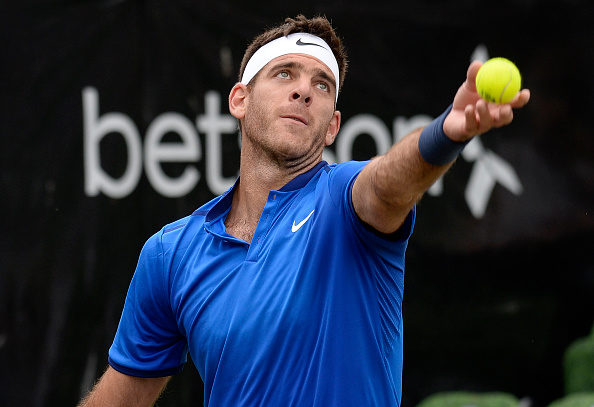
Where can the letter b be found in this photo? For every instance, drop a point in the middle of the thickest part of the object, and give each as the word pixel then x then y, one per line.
pixel 95 128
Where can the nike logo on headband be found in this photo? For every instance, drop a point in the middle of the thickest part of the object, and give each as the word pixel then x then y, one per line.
pixel 299 42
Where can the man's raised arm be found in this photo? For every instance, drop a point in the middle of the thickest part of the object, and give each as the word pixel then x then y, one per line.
pixel 390 185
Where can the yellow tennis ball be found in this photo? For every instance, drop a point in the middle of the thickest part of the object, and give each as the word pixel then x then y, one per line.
pixel 498 80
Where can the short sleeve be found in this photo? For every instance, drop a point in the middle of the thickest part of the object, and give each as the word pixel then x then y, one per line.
pixel 148 342
pixel 342 179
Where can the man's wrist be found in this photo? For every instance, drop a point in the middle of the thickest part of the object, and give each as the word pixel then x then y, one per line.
pixel 435 146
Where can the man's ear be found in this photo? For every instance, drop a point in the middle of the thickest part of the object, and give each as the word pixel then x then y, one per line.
pixel 237 100
pixel 333 128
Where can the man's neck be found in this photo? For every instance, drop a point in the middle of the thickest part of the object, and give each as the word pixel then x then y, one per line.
pixel 251 193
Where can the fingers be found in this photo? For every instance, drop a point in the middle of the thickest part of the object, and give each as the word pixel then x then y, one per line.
pixel 478 117
pixel 482 117
pixel 472 71
pixel 521 99
pixel 472 123
pixel 470 83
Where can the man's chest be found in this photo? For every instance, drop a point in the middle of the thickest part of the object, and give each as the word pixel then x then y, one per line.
pixel 230 302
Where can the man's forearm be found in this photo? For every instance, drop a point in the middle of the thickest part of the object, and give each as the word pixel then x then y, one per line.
pixel 403 175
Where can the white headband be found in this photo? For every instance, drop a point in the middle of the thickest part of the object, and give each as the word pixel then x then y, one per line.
pixel 296 43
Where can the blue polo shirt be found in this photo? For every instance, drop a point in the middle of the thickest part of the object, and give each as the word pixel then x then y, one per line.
pixel 308 314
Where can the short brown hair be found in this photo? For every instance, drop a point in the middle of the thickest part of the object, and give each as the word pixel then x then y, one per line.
pixel 318 26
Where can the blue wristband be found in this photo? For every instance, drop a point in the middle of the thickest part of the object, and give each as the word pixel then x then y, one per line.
pixel 435 147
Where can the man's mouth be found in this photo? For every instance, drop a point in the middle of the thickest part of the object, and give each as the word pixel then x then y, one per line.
pixel 296 118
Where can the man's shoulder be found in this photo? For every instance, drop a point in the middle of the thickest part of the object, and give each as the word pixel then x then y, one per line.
pixel 339 178
pixel 347 168
pixel 187 226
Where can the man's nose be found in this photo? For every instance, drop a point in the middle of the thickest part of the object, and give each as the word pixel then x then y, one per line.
pixel 302 91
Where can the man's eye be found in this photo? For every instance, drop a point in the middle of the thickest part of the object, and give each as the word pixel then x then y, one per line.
pixel 283 74
pixel 323 86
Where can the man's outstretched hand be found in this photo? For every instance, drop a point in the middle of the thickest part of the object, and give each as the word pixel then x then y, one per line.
pixel 471 115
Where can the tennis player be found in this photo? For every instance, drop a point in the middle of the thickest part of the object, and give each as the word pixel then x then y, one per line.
pixel 287 289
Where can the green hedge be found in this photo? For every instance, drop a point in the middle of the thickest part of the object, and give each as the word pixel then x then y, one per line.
pixel 575 400
pixel 578 366
pixel 469 399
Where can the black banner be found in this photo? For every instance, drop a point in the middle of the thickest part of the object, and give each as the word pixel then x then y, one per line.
pixel 114 121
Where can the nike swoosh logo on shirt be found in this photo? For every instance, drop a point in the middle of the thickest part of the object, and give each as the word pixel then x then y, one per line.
pixel 296 227
pixel 299 42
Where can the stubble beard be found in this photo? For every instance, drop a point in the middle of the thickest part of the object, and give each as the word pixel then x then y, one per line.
pixel 267 141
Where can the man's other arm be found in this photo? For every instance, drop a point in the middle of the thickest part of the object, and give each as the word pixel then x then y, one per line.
pixel 115 389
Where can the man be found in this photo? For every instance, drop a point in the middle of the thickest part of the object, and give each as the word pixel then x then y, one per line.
pixel 287 289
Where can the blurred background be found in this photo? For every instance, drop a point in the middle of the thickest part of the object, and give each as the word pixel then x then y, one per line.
pixel 114 122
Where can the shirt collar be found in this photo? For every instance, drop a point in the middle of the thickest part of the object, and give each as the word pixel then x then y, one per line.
pixel 296 183
pixel 301 180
